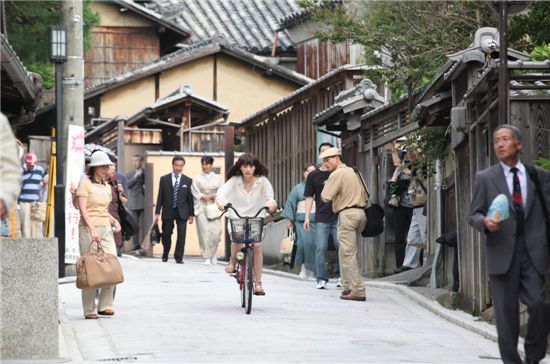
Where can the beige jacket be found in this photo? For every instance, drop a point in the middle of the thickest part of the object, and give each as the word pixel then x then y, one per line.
pixel 10 168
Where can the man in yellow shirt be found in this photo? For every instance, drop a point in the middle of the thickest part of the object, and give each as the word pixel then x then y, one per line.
pixel 349 200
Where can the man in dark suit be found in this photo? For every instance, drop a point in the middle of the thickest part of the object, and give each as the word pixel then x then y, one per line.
pixel 517 255
pixel 176 201
pixel 136 194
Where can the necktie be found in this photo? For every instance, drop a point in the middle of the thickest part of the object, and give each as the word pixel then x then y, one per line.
pixel 175 200
pixel 517 200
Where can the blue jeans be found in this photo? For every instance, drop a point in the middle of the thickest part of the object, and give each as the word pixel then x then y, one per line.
pixel 322 231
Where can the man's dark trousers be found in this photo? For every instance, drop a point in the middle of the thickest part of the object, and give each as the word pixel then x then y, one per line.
pixel 167 229
pixel 522 280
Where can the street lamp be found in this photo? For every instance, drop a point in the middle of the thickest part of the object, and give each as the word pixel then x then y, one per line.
pixel 58 55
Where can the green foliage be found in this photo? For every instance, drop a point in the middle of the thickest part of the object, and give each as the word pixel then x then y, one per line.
pixel 544 163
pixel 28 25
pixel 433 143
pixel 532 28
pixel 541 53
pixel 410 39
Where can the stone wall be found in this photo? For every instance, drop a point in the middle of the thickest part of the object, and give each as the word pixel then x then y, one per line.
pixel 28 299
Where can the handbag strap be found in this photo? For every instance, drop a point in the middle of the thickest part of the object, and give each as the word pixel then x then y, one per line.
pixel 99 246
pixel 362 183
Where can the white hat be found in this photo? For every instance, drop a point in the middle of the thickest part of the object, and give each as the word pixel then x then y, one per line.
pixel 330 152
pixel 100 158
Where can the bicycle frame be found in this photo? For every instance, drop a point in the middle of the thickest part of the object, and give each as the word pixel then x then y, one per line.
pixel 245 257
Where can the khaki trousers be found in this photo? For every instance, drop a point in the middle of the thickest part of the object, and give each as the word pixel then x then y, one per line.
pixel 108 243
pixel 350 224
pixel 29 228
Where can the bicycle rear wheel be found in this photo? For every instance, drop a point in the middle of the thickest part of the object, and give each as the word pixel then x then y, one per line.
pixel 249 281
pixel 240 279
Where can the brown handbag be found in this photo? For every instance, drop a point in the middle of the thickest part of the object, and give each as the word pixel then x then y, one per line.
pixel 98 269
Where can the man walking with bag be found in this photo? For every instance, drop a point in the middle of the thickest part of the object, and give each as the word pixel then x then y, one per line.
pixel 176 202
pixel 349 200
pixel 517 255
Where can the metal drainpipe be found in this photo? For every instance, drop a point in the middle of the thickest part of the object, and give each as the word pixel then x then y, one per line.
pixel 438 224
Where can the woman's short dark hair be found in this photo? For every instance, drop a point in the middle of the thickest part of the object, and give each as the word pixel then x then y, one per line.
pixel 248 159
pixel 178 158
pixel 306 167
pixel 207 160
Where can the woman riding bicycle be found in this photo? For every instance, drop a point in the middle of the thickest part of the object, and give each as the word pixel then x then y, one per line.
pixel 248 190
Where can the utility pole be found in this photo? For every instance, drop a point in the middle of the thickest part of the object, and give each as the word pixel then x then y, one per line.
pixel 503 77
pixel 73 73
pixel 72 111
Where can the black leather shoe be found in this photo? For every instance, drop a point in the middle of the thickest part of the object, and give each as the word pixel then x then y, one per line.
pixel 530 361
pixel 164 259
pixel 401 269
pixel 179 261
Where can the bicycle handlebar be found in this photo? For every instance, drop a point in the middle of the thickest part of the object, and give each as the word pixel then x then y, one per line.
pixel 229 206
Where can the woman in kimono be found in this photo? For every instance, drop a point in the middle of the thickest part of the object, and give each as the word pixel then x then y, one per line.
pixel 204 188
pixel 294 211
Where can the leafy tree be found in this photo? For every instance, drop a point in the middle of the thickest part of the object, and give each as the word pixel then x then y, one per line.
pixel 541 52
pixel 410 39
pixel 28 30
pixel 532 28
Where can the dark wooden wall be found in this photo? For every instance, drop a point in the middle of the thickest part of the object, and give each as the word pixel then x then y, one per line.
pixel 286 142
pixel 117 50
pixel 317 58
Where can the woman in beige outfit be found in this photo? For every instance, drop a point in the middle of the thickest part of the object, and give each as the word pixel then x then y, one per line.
pixel 97 225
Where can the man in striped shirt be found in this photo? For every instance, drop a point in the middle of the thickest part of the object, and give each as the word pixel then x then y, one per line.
pixel 33 178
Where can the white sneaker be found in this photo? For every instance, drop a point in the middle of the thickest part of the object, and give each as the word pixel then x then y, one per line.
pixel 303 273
pixel 321 284
pixel 214 260
pixel 339 282
pixel 310 275
pixel 207 261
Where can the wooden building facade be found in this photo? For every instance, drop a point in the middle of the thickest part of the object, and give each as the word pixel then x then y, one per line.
pixel 283 136
pixel 128 37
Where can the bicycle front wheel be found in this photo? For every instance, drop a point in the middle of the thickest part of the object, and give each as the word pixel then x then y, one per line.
pixel 248 286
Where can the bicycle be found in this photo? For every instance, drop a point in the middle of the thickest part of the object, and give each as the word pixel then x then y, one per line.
pixel 246 230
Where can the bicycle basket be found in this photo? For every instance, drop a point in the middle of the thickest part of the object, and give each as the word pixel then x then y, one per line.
pixel 238 230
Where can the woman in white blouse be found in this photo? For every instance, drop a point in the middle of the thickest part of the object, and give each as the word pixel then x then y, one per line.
pixel 248 190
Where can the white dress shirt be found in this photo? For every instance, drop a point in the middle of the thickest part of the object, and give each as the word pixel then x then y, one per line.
pixel 522 175
pixel 174 179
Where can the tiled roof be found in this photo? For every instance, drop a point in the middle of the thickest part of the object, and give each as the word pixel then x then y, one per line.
pixel 196 51
pixel 247 24
pixel 294 18
pixel 155 17
pixel 302 15
pixel 28 87
pixel 301 90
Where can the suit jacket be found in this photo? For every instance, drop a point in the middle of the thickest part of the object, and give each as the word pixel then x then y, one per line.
pixel 501 244
pixel 136 193
pixel 166 196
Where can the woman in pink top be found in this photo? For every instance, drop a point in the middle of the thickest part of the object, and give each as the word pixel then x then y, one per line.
pixel 248 190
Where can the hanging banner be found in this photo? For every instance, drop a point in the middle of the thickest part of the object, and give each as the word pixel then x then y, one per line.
pixel 73 173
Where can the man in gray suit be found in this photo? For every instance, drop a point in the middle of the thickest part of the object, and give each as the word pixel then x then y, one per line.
pixel 136 194
pixel 517 255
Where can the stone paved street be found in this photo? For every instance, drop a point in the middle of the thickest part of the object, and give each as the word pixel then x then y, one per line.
pixel 167 312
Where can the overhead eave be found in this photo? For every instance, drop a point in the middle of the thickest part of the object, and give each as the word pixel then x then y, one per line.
pixel 153 16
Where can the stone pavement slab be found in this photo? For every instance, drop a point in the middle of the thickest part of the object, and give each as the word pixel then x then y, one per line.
pixel 167 312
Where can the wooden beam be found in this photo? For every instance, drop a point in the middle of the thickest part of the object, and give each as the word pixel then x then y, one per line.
pixel 395 134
